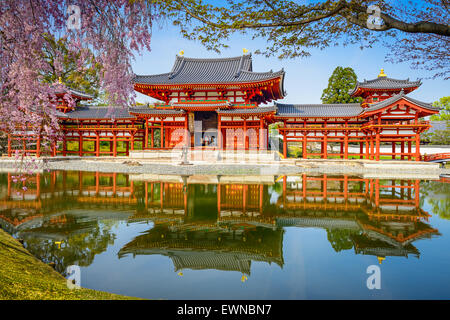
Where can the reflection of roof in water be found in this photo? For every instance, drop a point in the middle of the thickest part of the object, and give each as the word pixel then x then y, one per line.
pixel 367 245
pixel 224 249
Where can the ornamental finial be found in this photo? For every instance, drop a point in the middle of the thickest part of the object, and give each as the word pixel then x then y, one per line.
pixel 181 53
pixel 381 259
pixel 244 50
pixel 382 74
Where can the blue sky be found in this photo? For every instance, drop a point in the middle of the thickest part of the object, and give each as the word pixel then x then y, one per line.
pixel 305 77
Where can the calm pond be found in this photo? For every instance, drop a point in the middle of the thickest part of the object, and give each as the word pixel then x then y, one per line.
pixel 229 237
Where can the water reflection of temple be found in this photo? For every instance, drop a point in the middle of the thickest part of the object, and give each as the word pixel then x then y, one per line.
pixel 222 224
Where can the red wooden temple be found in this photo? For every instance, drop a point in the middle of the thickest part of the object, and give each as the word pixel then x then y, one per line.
pixel 217 104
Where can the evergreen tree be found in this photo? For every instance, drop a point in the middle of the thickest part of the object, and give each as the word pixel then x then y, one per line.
pixel 444 114
pixel 341 82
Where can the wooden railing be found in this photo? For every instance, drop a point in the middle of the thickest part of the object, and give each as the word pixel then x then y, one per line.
pixel 436 156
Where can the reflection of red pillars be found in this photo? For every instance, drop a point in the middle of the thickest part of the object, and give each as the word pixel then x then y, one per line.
pixel 324 184
pixel 114 183
pixel 161 192
pixel 38 185
pixel 219 198
pixel 377 193
pixel 416 193
pixel 146 194
pixel 185 198
pixel 261 191
pixel 97 182
pixel 304 186
pixel 9 185
pixel 244 198
pixel 345 188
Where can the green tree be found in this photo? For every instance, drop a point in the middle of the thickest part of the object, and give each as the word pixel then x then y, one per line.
pixel 340 83
pixel 64 64
pixel 444 104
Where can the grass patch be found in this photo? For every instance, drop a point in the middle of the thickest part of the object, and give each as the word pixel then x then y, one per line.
pixel 24 277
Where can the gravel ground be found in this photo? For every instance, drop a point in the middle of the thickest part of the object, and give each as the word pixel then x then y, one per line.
pixel 126 165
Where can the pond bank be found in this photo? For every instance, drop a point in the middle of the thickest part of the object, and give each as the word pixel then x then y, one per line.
pixel 388 169
pixel 24 277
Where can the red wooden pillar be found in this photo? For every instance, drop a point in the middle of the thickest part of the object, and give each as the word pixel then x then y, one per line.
pixel 261 135
pixel 38 146
pixel 163 140
pixel 409 149
pixel 361 150
pixel 64 145
pixel 152 137
pixel 114 144
pixel 377 156
pixel 132 140
pixel 341 150
pixel 97 144
pixel 346 146
pixel 285 143
pixel 219 135
pixel 402 150
pixel 144 147
pixel 80 144
pixel 9 148
pixel 417 147
pixel 127 147
pixel 245 135
pixel 325 145
pixel 393 150
pixel 305 152
pixel 367 148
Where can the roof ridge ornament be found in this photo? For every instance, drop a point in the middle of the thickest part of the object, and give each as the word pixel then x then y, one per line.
pixel 382 74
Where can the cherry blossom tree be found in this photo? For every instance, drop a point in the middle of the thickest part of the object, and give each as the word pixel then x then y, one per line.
pixel 114 30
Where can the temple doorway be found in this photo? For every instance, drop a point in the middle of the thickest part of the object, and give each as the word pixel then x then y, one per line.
pixel 205 129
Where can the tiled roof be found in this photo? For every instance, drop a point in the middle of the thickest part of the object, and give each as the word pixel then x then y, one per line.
pixel 257 110
pixel 319 110
pixel 202 104
pixel 153 111
pixel 386 83
pixel 76 93
pixel 204 71
pixel 94 112
pixel 397 97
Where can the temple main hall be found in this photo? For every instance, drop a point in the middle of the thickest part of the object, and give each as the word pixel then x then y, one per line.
pixel 222 104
